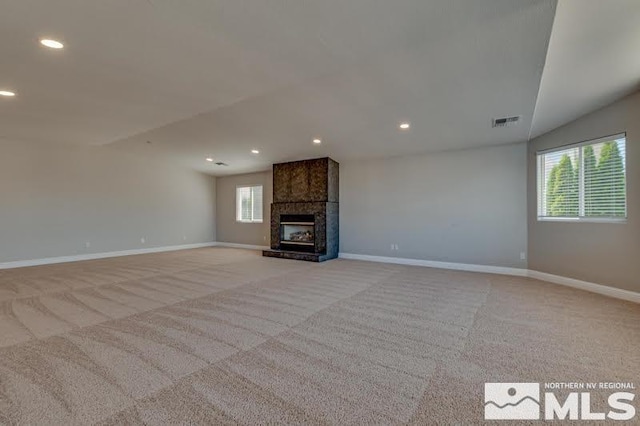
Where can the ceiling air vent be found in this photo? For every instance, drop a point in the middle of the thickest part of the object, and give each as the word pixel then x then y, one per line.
pixel 505 122
pixel 220 163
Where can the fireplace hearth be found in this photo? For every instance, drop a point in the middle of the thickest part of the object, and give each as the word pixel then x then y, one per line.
pixel 304 212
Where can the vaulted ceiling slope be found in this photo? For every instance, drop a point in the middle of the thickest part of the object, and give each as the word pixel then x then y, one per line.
pixel 218 78
pixel 593 60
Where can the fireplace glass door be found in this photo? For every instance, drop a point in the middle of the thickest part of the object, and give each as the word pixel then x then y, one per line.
pixel 298 233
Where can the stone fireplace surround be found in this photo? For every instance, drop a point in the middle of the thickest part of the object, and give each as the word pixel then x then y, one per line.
pixel 308 187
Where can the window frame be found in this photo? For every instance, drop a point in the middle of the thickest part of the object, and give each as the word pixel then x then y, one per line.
pixel 239 212
pixel 579 218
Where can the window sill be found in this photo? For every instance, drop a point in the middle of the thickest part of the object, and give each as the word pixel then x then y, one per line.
pixel 582 220
pixel 249 221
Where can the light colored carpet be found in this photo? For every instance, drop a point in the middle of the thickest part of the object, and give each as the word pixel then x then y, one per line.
pixel 225 336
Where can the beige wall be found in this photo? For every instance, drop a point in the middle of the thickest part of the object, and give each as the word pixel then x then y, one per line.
pixel 602 253
pixel 230 231
pixel 55 200
pixel 464 206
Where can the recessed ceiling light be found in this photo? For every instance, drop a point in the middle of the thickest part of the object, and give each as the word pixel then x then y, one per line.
pixel 209 159
pixel 7 93
pixel 255 151
pixel 317 141
pixel 404 125
pixel 54 44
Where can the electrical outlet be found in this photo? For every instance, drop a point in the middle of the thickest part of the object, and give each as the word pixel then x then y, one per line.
pixel 184 238
pixel 397 248
pixel 143 240
pixel 523 255
pixel 87 244
pixel 392 246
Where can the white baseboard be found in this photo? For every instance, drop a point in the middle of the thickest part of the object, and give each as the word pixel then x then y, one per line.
pixel 93 256
pixel 440 265
pixel 604 290
pixel 241 246
pixel 614 292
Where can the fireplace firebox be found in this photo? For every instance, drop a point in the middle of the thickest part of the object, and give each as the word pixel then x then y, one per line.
pixel 297 232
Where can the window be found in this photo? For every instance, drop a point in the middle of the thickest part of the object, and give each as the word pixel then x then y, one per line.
pixel 586 181
pixel 249 204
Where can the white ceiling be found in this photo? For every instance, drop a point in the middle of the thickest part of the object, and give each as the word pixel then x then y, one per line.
pixel 218 78
pixel 593 60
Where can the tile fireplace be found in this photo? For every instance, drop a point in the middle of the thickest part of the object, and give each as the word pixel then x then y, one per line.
pixel 304 212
